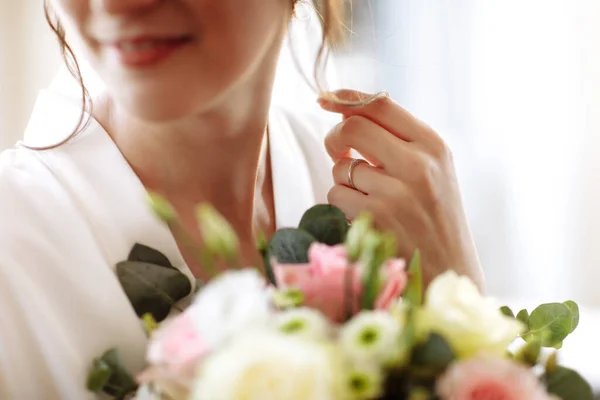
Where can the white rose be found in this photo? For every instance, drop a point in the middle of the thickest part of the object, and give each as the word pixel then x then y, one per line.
pixel 233 301
pixel 265 364
pixel 471 323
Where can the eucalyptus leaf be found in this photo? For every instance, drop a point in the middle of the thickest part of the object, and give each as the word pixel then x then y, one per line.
pixel 551 322
pixel 326 223
pixel 507 311
pixel 98 376
pixel 574 308
pixel 152 288
pixel 146 254
pixel 413 294
pixel 530 352
pixel 121 382
pixel 435 353
pixel 262 245
pixel 568 385
pixel 290 246
pixel 523 316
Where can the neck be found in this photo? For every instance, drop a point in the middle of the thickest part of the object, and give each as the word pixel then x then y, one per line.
pixel 217 156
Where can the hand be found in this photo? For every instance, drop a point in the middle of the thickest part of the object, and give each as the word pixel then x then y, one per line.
pixel 409 184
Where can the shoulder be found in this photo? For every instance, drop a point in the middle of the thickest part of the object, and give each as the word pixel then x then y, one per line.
pixel 33 204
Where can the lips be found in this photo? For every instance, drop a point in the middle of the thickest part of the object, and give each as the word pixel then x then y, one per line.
pixel 144 44
pixel 147 51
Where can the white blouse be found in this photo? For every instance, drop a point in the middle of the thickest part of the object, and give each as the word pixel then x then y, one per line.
pixel 69 215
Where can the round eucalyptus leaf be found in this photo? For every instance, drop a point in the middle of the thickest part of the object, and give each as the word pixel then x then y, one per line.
pixel 290 246
pixel 568 385
pixel 326 223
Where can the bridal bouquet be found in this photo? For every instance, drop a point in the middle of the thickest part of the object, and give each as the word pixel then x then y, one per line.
pixel 331 315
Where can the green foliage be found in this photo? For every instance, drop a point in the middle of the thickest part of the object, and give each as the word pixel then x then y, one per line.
pixel 326 223
pixel 110 376
pixel 434 354
pixel 507 311
pixel 361 226
pixel 413 294
pixel 567 384
pixel 151 283
pixel 290 246
pixel 550 323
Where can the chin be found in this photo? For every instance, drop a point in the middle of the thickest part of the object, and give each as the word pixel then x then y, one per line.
pixel 164 106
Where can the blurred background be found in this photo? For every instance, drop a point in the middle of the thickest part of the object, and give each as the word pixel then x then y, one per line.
pixel 512 85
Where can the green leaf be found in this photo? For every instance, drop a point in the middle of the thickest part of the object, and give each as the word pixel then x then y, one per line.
pixel 413 293
pixel 146 254
pixel 361 226
pixel 568 385
pixel 408 337
pixel 152 288
pixel 326 223
pixel 523 316
pixel 290 246
pixel 161 207
pixel 574 308
pixel 551 323
pixel 219 237
pixel 507 311
pixel 262 245
pixel 434 354
pixel 121 382
pixel 150 324
pixel 98 376
pixel 372 258
pixel 530 352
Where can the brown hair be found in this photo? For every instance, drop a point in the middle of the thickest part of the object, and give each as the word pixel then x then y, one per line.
pixel 330 13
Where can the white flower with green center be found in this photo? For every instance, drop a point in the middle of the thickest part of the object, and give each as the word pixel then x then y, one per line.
pixel 371 336
pixel 303 322
pixel 364 382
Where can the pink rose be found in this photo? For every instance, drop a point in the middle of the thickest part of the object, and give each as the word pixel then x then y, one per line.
pixel 174 353
pixel 487 377
pixel 323 280
pixel 395 278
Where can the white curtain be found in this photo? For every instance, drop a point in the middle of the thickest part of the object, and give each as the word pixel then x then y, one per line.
pixel 513 86
pixel 29 59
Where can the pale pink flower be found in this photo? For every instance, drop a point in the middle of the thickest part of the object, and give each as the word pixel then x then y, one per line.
pixel 490 378
pixel 174 353
pixel 323 280
pixel 396 279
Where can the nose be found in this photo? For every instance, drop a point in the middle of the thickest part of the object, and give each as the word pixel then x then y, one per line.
pixel 123 6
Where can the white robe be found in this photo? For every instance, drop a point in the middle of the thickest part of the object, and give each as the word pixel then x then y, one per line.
pixel 69 215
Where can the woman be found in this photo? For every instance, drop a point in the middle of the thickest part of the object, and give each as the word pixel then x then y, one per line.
pixel 186 113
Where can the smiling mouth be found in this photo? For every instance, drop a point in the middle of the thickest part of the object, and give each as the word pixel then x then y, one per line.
pixel 144 44
pixel 147 51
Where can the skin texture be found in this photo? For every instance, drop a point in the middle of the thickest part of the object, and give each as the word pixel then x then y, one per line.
pixel 205 108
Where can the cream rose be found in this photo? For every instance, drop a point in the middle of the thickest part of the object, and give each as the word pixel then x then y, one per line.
pixel 471 323
pixel 265 364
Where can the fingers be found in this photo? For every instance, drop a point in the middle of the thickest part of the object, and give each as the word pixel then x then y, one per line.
pixel 367 179
pixel 353 203
pixel 383 111
pixel 375 143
